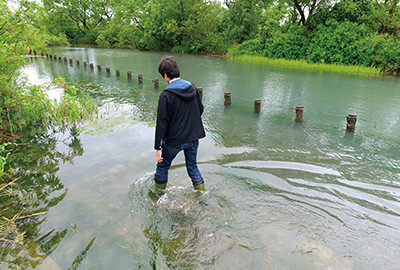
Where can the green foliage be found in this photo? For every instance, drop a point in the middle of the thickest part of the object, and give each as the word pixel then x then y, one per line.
pixel 59 40
pixel 23 106
pixel 4 153
pixel 357 32
pixel 117 35
pixel 249 47
pixel 87 17
pixel 385 16
pixel 301 12
pixel 353 39
pixel 381 51
pixel 291 45
pixel 59 24
pixel 356 11
pixel 241 20
pixel 31 107
pixel 317 31
pixel 337 43
pixel 181 26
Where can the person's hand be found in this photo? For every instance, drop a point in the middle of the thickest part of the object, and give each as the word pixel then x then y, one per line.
pixel 158 156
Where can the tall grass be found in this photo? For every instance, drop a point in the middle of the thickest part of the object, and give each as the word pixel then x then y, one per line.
pixel 303 65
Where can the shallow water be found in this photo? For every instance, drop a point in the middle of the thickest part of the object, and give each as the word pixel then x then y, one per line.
pixel 280 195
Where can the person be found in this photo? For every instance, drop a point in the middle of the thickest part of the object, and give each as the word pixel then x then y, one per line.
pixel 179 125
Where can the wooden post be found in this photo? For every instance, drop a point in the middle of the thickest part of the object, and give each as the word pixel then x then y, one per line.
pixel 30 50
pixel 92 66
pixel 200 89
pixel 257 105
pixel 70 61
pixel 55 57
pixel 299 114
pixel 42 54
pixel 351 122
pixel 34 52
pixel 65 59
pixel 129 73
pixel 85 64
pixel 59 58
pixel 140 78
pixel 108 70
pixel 117 73
pixel 155 83
pixel 51 56
pixel 99 68
pixel 227 99
pixel 77 62
pixel 47 55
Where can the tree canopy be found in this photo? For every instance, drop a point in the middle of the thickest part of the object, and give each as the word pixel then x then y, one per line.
pixel 357 32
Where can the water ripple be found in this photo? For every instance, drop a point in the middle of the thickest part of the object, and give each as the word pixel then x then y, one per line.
pixel 284 165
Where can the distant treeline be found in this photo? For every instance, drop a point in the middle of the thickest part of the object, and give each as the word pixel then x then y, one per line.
pixel 349 32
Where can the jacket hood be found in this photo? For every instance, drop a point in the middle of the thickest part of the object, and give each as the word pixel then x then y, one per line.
pixel 183 89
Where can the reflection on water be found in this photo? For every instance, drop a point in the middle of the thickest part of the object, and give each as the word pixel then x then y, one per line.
pixel 280 195
pixel 40 189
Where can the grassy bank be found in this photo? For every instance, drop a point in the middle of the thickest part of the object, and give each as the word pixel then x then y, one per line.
pixel 303 65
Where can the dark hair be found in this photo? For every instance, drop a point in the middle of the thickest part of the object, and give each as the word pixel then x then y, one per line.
pixel 169 66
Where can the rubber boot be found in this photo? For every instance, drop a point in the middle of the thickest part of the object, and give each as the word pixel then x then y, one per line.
pixel 158 188
pixel 200 187
pixel 156 191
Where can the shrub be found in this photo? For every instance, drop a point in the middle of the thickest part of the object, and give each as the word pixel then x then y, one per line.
pixel 60 40
pixel 380 51
pixel 249 47
pixel 291 45
pixel 337 43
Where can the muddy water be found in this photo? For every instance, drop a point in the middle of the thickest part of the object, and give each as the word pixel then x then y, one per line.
pixel 280 195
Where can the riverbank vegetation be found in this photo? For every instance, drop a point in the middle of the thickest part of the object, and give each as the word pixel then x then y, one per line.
pixel 303 65
pixel 26 116
pixel 346 32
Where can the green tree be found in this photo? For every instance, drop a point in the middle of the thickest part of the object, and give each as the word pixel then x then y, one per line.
pixel 337 43
pixel 182 25
pixel 241 19
pixel 87 15
pixel 303 10
pixel 292 44
pixel 386 16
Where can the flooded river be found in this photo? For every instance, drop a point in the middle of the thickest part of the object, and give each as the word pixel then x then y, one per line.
pixel 280 195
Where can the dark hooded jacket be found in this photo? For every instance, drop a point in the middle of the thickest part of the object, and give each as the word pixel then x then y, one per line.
pixel 179 115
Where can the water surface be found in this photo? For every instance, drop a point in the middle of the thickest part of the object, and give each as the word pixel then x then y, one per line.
pixel 280 195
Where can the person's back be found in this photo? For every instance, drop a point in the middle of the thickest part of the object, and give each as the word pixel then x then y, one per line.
pixel 179 125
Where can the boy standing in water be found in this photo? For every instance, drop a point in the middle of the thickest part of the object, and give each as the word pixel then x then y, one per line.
pixel 179 125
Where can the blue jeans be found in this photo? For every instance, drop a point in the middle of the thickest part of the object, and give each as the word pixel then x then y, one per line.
pixel 169 152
